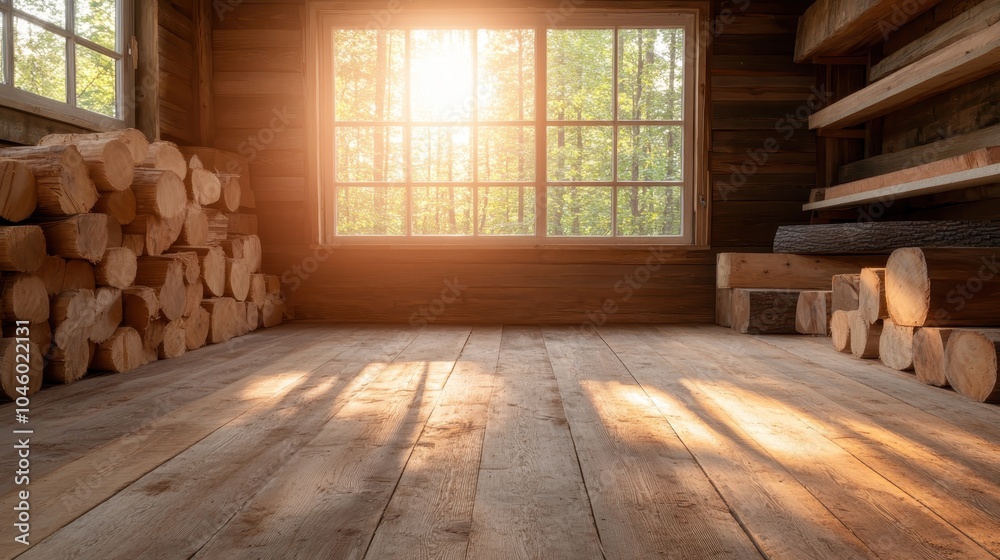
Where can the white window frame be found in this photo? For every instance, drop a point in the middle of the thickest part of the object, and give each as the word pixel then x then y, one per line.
pixel 67 111
pixel 325 18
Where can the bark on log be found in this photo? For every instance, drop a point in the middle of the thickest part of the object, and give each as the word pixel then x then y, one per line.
pixel 120 205
pixel 764 311
pixel 23 298
pixel 15 372
pixel 944 287
pixel 18 193
pixel 812 312
pixel 62 180
pixel 871 295
pixel 79 237
pixel 884 237
pixel 971 364
pixel 159 192
pixel 133 139
pixel 895 346
pixel 22 248
pixel 116 269
pixel 864 336
pixel 928 355
pixel 121 352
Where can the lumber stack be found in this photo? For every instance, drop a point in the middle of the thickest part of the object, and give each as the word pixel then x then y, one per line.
pixel 120 252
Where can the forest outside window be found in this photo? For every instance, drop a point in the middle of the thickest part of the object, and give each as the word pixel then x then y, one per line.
pixel 64 58
pixel 575 133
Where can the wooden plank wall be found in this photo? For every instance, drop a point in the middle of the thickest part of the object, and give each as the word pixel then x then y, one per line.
pixel 178 71
pixel 258 60
pixel 964 110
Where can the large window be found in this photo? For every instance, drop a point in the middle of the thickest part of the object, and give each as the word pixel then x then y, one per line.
pixel 64 58
pixel 580 131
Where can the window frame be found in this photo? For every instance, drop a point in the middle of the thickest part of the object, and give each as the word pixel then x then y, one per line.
pixel 321 196
pixel 67 111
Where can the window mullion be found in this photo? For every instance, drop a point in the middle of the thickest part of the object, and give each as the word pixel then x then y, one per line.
pixel 71 54
pixel 8 51
pixel 541 131
pixel 407 134
pixel 475 132
pixel 614 134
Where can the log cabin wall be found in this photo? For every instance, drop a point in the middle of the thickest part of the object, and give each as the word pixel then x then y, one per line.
pixel 179 58
pixel 259 97
pixel 923 132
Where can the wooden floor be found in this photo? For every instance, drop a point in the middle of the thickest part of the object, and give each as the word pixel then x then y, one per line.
pixel 328 442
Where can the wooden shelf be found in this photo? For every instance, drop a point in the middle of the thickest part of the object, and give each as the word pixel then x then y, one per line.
pixel 961 62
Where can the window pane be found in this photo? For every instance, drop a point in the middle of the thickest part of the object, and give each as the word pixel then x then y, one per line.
pixel 579 153
pixel 580 74
pixel 650 74
pixel 371 211
pixel 369 153
pixel 506 89
pixel 39 61
pixel 506 153
pixel 97 20
pixel 441 153
pixel 369 77
pixel 95 82
pixel 506 210
pixel 650 153
pixel 579 211
pixel 442 210
pixel 441 75
pixel 52 11
pixel 646 211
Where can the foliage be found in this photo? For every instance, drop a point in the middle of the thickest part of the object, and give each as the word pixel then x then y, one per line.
pixel 471 118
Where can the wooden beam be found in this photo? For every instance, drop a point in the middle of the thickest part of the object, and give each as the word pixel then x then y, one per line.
pixel 962 62
pixel 784 271
pixel 961 26
pixel 963 162
pixel 831 28
pixel 147 73
pixel 884 237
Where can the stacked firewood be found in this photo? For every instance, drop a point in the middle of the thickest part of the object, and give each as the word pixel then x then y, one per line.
pixel 122 252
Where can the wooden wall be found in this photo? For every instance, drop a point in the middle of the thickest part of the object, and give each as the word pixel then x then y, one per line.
pixel 259 97
pixel 179 58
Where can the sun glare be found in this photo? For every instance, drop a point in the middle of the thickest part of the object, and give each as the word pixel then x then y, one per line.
pixel 441 75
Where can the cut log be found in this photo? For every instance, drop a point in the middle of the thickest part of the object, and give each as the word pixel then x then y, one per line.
pixel 723 306
pixel 883 237
pixel 203 186
pixel 218 226
pixel 121 352
pixel 22 248
pixel 109 163
pixel 166 276
pixel 192 302
pixel 53 274
pixel 196 328
pixel 764 311
pixel 248 201
pixel 258 288
pixel 225 316
pixel 140 306
pixel 40 334
pixel 274 284
pixel 135 243
pixel 943 287
pixel 69 363
pixel 971 364
pixel 108 317
pixel 63 183
pixel 242 224
pixel 189 263
pixel 845 292
pixel 237 279
pixel 241 319
pixel 79 237
pixel 253 316
pixel 812 312
pixel 23 298
pixel 18 193
pixel 15 373
pixel 782 271
pixel 212 261
pixel 152 338
pixel 895 346
pixel 229 199
pixel 165 156
pixel 174 343
pixel 78 275
pixel 133 139
pixel 159 193
pixel 72 316
pixel 219 161
pixel 871 294
pixel 159 233
pixel 928 355
pixel 195 230
pixel 245 247
pixel 116 269
pixel 114 232
pixel 120 205
pixel 272 312
pixel 864 335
